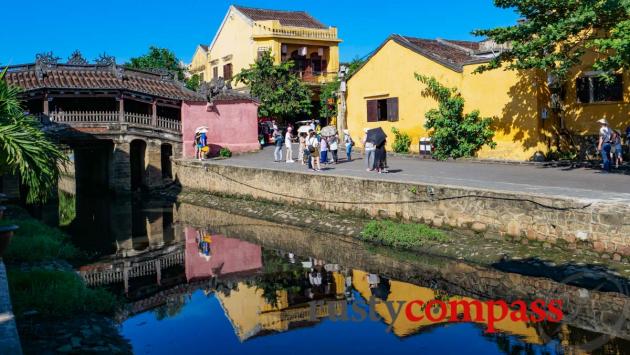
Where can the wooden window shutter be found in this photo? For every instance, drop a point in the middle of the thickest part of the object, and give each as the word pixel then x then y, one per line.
pixel 392 109
pixel 372 110
pixel 215 72
pixel 227 71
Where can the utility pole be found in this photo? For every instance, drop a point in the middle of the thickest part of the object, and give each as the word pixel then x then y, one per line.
pixel 341 94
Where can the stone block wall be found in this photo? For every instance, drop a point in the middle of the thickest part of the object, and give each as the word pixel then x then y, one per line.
pixel 598 226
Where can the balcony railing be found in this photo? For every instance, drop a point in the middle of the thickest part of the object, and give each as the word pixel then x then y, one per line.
pixel 274 29
pixel 316 77
pixel 137 119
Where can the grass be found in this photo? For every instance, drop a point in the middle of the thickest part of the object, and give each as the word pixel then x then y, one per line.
pixel 401 235
pixel 35 241
pixel 54 293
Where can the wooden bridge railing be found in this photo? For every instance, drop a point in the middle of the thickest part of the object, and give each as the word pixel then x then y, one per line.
pixel 131 118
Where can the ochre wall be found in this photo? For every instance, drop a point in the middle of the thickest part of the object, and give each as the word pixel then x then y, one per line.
pixel 390 73
pixel 514 99
pixel 235 40
pixel 233 125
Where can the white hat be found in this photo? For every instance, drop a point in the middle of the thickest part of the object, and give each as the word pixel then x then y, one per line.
pixel 346 131
pixel 366 130
pixel 603 121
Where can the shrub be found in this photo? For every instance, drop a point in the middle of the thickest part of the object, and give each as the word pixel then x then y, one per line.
pixel 54 293
pixel 400 235
pixel 402 141
pixel 225 152
pixel 35 241
pixel 453 133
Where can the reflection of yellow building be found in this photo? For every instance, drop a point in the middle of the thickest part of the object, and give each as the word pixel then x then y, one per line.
pixel 401 291
pixel 250 314
pixel 385 93
pixel 246 32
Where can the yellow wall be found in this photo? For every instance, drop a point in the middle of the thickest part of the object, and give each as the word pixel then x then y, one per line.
pixel 514 99
pixel 237 38
pixel 390 73
pixel 234 39
pixel 581 118
pixel 199 62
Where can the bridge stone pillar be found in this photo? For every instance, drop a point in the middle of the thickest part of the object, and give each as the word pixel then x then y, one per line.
pixel 153 172
pixel 120 168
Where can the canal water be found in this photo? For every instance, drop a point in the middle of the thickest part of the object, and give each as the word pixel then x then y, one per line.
pixel 197 280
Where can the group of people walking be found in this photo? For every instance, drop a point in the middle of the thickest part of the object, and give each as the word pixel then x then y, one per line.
pixel 610 145
pixel 313 149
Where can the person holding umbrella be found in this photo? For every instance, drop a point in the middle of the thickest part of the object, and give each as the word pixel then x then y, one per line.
pixel 369 149
pixel 377 138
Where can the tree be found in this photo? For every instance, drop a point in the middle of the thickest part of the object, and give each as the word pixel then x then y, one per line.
pixel 158 58
pixel 554 35
pixel 24 147
pixel 281 93
pixel 193 82
pixel 328 96
pixel 453 134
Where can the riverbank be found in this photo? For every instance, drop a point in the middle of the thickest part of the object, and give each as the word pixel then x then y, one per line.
pixel 472 274
pixel 54 309
pixel 595 226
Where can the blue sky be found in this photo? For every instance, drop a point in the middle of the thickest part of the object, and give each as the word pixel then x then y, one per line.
pixel 126 28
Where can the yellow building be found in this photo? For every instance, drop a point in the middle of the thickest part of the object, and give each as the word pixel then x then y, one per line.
pixel 384 92
pixel 289 35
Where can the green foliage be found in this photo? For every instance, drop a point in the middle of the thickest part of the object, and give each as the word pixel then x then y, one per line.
pixel 67 208
pixel 158 58
pixel 402 141
pixel 555 35
pixel 278 275
pixel 24 147
pixel 453 134
pixel 401 235
pixel 280 91
pixel 329 91
pixel 35 241
pixel 225 152
pixel 328 100
pixel 54 293
pixel 193 82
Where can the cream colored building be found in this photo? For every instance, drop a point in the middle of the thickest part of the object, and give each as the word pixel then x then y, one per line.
pixel 288 35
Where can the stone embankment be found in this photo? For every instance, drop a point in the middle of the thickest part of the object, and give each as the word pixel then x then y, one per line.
pixel 598 227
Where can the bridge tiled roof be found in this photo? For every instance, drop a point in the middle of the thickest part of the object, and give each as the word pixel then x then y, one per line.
pixel 286 18
pixel 32 77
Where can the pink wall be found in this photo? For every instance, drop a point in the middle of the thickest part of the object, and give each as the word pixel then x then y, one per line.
pixel 231 124
pixel 229 256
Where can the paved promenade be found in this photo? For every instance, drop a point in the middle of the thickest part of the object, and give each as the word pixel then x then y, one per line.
pixel 578 183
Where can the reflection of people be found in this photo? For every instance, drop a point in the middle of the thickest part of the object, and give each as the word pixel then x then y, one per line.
pixel 203 242
pixel 315 278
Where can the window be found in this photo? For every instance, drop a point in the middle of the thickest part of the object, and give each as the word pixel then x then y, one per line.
pixel 382 110
pixel 593 88
pixel 201 77
pixel 227 71
pixel 215 72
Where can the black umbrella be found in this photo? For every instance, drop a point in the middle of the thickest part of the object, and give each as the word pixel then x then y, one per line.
pixel 376 136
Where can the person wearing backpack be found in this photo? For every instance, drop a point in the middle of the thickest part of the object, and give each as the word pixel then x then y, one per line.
pixel 349 143
pixel 279 142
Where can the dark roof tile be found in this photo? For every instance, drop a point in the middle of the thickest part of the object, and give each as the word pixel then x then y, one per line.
pixel 286 18
pixel 96 77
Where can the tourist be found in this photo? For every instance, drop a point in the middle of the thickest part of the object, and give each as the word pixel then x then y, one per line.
pixel 347 140
pixel 334 146
pixel 369 149
pixel 618 148
pixel 313 125
pixel 380 158
pixel 301 147
pixel 197 145
pixel 278 141
pixel 288 142
pixel 203 144
pixel 605 146
pixel 312 145
pixel 323 149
